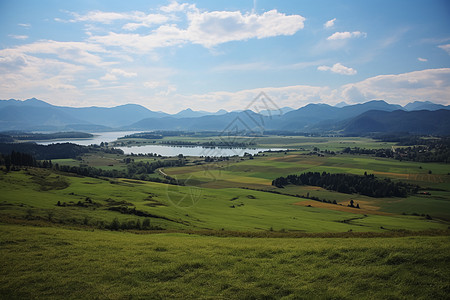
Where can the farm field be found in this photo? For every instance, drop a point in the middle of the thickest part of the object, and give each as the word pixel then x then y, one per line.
pixel 259 172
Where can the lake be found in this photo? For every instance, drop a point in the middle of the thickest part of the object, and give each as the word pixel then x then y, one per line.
pixel 158 149
pixel 97 139
pixel 191 151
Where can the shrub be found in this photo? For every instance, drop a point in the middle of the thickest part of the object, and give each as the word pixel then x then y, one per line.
pixel 146 224
pixel 115 224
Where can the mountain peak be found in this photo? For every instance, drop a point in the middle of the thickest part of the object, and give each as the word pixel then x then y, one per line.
pixel 36 102
pixel 424 105
pixel 341 104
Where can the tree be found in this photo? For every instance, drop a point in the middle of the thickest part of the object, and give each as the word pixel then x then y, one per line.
pixel 138 225
pixel 8 163
pixel 146 224
pixel 115 224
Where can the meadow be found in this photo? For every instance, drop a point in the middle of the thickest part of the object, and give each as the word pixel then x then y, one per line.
pixel 226 232
pixel 258 173
pixel 54 263
pixel 60 198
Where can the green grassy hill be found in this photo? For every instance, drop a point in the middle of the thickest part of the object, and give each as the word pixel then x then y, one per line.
pixel 56 263
pixel 35 193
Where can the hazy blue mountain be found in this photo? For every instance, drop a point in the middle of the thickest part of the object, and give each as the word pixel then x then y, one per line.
pixel 414 122
pixel 105 116
pixel 221 112
pixel 302 118
pixel 281 111
pixel 29 102
pixel 370 105
pixel 113 116
pixel 341 104
pixel 424 105
pixel 189 113
pixel 19 117
pixel 306 118
pixel 233 121
pixel 310 118
pixel 34 114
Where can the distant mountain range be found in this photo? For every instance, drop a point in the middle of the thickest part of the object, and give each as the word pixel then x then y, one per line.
pixel 189 113
pixel 373 116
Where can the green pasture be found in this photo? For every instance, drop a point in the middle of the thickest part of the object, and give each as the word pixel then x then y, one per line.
pixel 68 252
pixel 58 263
pixel 259 172
pixel 34 194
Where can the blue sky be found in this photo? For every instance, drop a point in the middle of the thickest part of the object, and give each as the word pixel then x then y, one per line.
pixel 211 55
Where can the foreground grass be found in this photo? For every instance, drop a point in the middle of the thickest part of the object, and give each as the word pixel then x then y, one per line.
pixel 50 263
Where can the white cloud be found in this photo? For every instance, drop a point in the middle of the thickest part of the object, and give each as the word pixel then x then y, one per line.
pixel 168 90
pixel 346 35
pixel 208 29
pixel 174 6
pixel 123 73
pixel 153 84
pixel 23 75
pixel 79 52
pixel 213 28
pixel 134 26
pixel 146 21
pixel 110 17
pixel 102 17
pixel 329 24
pixel 26 25
pixel 338 68
pixel 430 84
pixel 93 83
pixel 112 75
pixel 18 37
pixel 138 18
pixel 422 59
pixel 445 48
pixel 109 77
pixel 164 36
pixel 293 96
pixel 160 88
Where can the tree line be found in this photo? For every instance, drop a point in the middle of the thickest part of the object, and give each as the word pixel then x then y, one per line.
pixel 139 171
pixel 54 151
pixel 18 159
pixel 367 185
pixel 421 153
